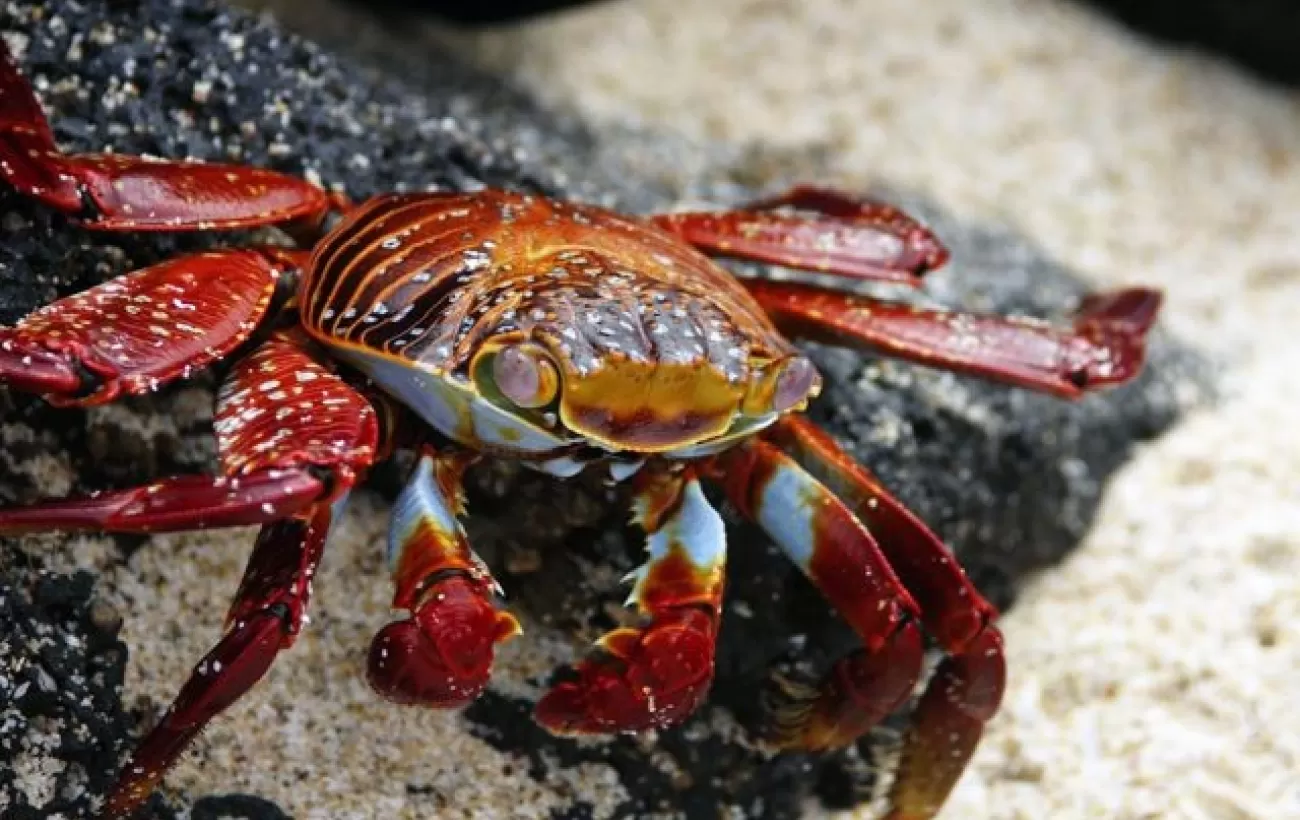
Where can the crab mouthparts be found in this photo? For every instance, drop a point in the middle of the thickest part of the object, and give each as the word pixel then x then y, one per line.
pixel 649 408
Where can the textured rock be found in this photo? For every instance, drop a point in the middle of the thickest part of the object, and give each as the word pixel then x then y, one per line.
pixel 1012 480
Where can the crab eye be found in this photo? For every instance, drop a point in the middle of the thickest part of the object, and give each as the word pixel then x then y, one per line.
pixel 525 376
pixel 793 384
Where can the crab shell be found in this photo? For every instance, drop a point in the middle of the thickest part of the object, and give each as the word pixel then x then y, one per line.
pixel 510 325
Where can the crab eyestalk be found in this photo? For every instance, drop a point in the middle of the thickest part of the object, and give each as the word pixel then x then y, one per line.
pixel 441 656
pixel 784 386
pixel 525 376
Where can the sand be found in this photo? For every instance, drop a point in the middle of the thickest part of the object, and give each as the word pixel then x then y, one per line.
pixel 1154 672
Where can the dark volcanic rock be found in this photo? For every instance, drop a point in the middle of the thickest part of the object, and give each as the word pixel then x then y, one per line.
pixel 1261 35
pixel 481 12
pixel 1011 479
pixel 61 667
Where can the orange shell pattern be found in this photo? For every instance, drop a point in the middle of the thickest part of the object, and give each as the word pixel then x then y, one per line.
pixel 428 278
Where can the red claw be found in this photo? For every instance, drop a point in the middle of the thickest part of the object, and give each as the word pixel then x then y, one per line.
pixel 442 655
pixel 651 678
pixel 654 677
pixel 137 332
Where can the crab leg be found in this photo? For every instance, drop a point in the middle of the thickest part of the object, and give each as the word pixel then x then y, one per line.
pixel 264 619
pixel 291 436
pixel 1106 345
pixel 860 239
pixel 821 535
pixel 839 235
pixel 134 333
pixel 656 676
pixel 966 689
pixel 441 656
pixel 126 193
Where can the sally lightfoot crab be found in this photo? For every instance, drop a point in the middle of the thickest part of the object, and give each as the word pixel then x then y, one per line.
pixel 494 324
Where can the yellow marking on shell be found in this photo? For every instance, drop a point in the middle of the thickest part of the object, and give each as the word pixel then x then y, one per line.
pixel 761 389
pixel 649 407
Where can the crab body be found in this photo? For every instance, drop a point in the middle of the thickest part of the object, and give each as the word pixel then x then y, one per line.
pixel 650 345
pixel 497 324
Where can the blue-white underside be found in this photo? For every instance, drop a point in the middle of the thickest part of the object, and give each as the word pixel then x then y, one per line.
pixel 455 409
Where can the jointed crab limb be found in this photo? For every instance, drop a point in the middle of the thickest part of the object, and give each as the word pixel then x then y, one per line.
pixel 967 688
pixel 441 656
pixel 853 238
pixel 290 435
pixel 840 556
pixel 654 676
pixel 1105 347
pixel 127 193
pixel 959 699
pixel 175 504
pixel 283 406
pixel 265 618
pixel 141 330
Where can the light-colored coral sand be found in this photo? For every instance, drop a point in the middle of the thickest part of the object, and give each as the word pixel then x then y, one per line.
pixel 1154 674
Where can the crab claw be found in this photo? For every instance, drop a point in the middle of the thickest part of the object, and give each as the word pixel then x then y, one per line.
pixel 442 655
pixel 649 678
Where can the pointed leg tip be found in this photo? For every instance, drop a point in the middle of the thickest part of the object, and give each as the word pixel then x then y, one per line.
pixel 1135 309
pixel 507 628
pixel 127 798
pixel 859 692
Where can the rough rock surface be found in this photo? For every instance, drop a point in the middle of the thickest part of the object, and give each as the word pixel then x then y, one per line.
pixel 1011 480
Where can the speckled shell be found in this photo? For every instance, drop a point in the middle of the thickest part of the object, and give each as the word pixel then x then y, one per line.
pixel 429 277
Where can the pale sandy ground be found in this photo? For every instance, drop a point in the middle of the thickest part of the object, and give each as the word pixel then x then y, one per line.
pixel 1155 674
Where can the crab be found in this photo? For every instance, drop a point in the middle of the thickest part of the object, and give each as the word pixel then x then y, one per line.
pixel 459 326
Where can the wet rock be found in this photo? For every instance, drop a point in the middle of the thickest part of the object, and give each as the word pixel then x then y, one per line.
pixel 1011 480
